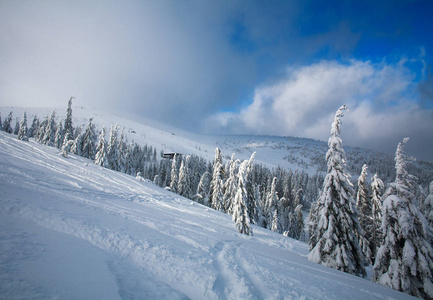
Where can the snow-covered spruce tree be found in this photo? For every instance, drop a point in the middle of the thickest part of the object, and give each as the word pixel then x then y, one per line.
pixel 129 157
pixel 157 180
pixel 363 205
pixel 112 149
pixel 362 196
pixel 240 210
pixel 259 208
pixel 428 205
pixel 296 224
pixel 34 127
pixel 69 129
pixel 251 200
pixel 191 180
pixel 154 156
pixel 121 149
pixel 313 217
pixel 7 124
pixel 191 176
pixel 276 224
pixel 272 207
pixel 404 261
pixel 23 132
pixel 183 186
pixel 50 130
pixel 285 210
pixel 101 150
pixel 231 185
pixel 40 133
pixel 58 139
pixel 88 141
pixel 77 145
pixel 66 147
pixel 203 189
pixel 174 175
pixel 217 184
pixel 135 160
pixel 298 198
pixel 287 186
pixel 377 187
pixel 17 127
pixel 334 241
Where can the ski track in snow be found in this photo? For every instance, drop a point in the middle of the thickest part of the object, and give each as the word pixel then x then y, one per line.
pixel 143 240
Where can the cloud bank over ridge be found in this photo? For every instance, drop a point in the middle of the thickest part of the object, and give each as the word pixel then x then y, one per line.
pixel 304 101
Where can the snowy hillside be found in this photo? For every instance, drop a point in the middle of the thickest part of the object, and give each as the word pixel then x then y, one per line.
pixel 301 154
pixel 74 230
pixel 271 151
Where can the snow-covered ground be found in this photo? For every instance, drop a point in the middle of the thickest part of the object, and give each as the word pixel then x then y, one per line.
pixel 73 230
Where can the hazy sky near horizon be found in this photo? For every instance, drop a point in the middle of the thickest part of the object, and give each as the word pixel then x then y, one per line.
pixel 252 67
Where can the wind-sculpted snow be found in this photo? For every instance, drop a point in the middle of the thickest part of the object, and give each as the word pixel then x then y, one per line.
pixel 73 230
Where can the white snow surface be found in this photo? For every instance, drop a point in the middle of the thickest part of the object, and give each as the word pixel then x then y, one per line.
pixel 73 230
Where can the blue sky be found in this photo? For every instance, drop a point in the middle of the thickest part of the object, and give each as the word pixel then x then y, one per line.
pixel 253 67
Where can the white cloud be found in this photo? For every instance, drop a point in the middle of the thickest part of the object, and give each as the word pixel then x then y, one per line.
pixel 304 102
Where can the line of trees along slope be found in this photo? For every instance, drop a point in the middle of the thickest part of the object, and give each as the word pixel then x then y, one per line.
pixel 238 188
pixel 347 237
pixel 389 231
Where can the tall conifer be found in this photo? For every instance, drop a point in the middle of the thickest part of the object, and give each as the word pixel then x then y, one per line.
pixel 217 183
pixel 334 241
pixel 101 150
pixel 404 261
pixel 23 132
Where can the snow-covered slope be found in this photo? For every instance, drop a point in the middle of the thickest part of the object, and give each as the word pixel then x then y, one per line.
pixel 271 151
pixel 302 154
pixel 73 230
